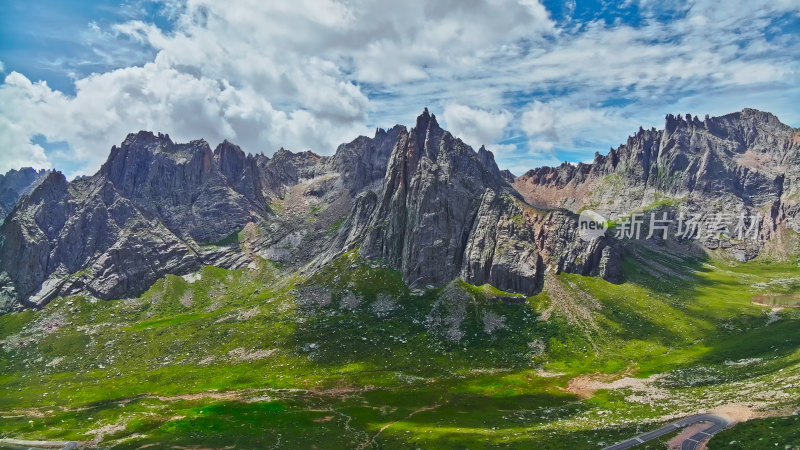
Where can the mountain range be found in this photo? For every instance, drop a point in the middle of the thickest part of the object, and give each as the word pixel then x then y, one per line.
pixel 419 201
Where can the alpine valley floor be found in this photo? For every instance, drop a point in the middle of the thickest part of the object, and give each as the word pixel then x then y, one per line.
pixel 352 358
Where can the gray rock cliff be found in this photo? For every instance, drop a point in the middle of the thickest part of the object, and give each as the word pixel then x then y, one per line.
pixel 445 211
pixel 16 183
pixel 741 163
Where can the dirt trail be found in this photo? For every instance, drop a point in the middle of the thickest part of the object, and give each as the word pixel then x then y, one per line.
pixel 383 428
pixel 41 444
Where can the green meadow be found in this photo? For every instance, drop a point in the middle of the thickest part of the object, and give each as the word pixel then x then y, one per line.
pixel 352 358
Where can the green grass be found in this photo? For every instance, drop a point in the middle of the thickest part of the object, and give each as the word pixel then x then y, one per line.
pixel 180 365
pixel 779 432
pixel 335 226
pixel 228 241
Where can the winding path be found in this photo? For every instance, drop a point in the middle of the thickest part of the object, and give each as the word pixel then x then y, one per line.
pixel 692 442
pixel 19 444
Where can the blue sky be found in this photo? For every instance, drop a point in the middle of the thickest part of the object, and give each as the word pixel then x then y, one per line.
pixel 538 83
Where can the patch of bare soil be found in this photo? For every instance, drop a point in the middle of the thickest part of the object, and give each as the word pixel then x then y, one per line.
pixel 241 354
pixel 739 412
pixel 644 390
pixel 778 300
pixel 100 433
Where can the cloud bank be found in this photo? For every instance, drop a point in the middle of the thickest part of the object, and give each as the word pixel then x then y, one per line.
pixel 533 85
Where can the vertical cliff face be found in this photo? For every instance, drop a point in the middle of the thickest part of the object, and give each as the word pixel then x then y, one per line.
pixel 151 210
pixel 431 193
pixel 513 245
pixel 198 194
pixel 362 162
pixel 445 211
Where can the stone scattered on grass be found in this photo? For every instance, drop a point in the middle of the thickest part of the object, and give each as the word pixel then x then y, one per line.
pixel 350 301
pixel 313 296
pixel 240 354
pixel 384 306
pixel 187 300
pixel 493 322
pixel 448 313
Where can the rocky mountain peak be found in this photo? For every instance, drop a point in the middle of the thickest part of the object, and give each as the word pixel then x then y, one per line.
pixel 445 211
pixel 230 158
pixel 487 159
pixel 17 183
pixel 758 115
pixel 362 162
pixel 52 189
pixel 428 134
pixel 147 139
pixel 282 153
pixel 424 119
pixel 152 165
pixel 743 162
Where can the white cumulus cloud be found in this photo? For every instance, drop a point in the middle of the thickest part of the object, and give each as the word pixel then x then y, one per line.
pixel 310 74
pixel 477 127
pixel 560 125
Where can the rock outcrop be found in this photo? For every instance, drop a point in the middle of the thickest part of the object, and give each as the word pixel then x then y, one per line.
pixel 362 162
pixel 157 207
pixel 445 211
pixel 418 200
pixel 16 183
pixel 744 163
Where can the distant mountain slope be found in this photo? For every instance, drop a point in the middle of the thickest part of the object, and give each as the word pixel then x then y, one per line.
pixel 16 183
pixel 742 163
pixel 419 201
pixel 157 207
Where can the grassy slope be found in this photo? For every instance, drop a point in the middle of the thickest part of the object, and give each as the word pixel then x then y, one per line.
pixel 779 432
pixel 336 378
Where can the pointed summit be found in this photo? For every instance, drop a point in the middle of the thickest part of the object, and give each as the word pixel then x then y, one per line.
pixel 427 135
pixel 426 121
pixel 486 158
